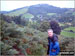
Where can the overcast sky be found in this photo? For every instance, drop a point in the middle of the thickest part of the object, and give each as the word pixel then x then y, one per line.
pixel 11 5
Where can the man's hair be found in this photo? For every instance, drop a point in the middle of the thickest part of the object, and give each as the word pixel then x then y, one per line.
pixel 49 30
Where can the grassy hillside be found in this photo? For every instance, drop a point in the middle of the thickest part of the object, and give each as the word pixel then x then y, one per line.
pixel 70 28
pixel 17 12
pixel 73 13
pixel 51 14
pixel 27 15
pixel 67 34
pixel 22 40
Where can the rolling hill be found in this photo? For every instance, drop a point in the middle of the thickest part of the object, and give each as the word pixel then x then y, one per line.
pixel 37 9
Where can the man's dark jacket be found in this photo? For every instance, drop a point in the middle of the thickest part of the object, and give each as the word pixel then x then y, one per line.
pixel 53 39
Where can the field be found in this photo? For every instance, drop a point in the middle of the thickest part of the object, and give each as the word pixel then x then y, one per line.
pixel 70 28
pixel 27 15
pixel 67 34
pixel 50 14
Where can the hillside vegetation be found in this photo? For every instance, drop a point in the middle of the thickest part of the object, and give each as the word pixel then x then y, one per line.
pixel 24 30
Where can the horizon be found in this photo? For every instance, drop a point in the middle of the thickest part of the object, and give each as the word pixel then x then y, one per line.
pixel 20 4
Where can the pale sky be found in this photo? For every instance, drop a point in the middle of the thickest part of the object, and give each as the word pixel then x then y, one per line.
pixel 11 5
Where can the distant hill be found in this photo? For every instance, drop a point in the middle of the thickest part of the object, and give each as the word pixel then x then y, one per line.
pixel 3 12
pixel 45 8
pixel 41 12
pixel 17 12
pixel 36 9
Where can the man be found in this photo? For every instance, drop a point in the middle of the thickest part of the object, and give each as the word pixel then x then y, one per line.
pixel 53 44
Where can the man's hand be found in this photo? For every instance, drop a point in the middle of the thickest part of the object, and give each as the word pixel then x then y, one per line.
pixel 53 50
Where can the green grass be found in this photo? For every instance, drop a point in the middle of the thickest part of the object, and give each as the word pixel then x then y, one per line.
pixel 73 13
pixel 17 12
pixel 70 28
pixel 51 14
pixel 67 34
pixel 28 15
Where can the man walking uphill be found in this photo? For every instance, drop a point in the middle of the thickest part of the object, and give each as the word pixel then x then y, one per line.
pixel 53 44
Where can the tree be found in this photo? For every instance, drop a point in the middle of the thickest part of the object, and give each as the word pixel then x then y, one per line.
pixel 44 26
pixel 55 26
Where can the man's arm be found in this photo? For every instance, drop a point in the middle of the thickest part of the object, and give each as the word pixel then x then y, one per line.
pixel 56 47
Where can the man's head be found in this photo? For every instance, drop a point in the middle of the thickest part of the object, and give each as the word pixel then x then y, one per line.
pixel 50 32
